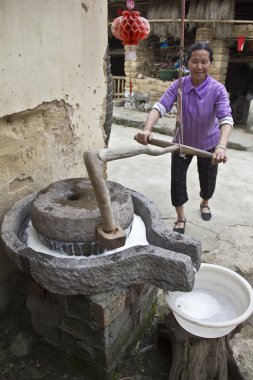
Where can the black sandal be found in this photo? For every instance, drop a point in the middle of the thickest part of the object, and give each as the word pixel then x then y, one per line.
pixel 179 230
pixel 205 215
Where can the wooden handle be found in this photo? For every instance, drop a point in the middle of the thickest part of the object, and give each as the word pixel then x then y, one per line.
pixel 183 148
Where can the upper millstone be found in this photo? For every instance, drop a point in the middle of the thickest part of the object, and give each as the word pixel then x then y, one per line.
pixel 66 215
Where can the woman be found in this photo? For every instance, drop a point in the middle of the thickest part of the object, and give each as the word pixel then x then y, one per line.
pixel 207 124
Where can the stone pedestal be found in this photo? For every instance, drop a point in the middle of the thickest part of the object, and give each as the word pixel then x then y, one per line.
pixel 93 330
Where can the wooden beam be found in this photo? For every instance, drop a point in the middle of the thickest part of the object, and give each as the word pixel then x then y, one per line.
pixel 248 59
pixel 170 20
pixel 203 21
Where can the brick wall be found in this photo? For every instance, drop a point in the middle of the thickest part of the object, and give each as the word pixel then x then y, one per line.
pixel 94 330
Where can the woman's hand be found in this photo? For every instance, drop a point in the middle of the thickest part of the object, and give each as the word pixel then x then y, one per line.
pixel 143 137
pixel 219 155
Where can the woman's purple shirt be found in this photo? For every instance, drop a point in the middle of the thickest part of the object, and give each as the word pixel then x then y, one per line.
pixel 204 109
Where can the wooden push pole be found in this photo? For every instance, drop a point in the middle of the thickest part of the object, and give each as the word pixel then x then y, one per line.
pixel 109 234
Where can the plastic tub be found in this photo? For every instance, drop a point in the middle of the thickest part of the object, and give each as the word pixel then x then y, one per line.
pixel 220 300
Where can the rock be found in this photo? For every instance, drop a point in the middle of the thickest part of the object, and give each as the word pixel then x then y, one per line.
pixel 118 102
pixel 147 107
pixel 250 118
pixel 141 96
pixel 21 344
pixel 242 348
pixel 35 374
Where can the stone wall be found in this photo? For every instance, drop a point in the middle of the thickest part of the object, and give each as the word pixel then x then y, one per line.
pixel 146 90
pixel 52 108
pixel 220 60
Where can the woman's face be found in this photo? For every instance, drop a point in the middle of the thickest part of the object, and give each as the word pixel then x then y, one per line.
pixel 199 65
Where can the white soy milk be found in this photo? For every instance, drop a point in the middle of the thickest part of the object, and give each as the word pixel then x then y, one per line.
pixel 137 236
pixel 206 305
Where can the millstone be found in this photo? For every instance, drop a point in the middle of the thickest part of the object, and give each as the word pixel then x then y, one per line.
pixel 66 215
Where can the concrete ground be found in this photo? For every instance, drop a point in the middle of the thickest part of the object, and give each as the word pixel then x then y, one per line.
pixel 227 239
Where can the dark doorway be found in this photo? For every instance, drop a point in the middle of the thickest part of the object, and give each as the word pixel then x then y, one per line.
pixel 117 55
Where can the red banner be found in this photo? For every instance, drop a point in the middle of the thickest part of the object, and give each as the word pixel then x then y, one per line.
pixel 240 43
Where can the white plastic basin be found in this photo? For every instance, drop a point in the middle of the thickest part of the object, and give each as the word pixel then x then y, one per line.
pixel 220 300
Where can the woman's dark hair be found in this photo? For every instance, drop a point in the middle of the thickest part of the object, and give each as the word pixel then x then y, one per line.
pixel 199 46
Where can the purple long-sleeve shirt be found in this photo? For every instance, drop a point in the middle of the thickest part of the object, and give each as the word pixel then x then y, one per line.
pixel 204 109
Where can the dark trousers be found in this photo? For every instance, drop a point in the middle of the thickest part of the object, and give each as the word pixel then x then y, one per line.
pixel 207 177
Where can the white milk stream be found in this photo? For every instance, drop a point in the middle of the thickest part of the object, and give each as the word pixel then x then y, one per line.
pixel 137 236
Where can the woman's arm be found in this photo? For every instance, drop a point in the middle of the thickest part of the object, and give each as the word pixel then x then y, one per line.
pixel 220 152
pixel 225 131
pixel 159 110
pixel 224 114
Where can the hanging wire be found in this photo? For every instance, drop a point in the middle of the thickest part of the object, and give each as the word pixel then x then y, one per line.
pixel 179 118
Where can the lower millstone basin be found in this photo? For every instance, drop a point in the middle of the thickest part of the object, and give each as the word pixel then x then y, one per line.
pixel 65 215
pixel 136 235
pixel 74 249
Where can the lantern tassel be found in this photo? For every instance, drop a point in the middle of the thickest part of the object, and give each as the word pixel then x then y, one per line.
pixel 131 86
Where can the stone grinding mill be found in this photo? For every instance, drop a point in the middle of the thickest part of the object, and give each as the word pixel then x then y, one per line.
pixel 85 301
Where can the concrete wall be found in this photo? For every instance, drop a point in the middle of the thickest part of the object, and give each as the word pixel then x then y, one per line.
pixel 52 104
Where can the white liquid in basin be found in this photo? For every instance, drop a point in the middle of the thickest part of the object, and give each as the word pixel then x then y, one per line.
pixel 137 236
pixel 206 305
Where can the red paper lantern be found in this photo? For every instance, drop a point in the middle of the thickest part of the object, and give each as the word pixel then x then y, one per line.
pixel 130 28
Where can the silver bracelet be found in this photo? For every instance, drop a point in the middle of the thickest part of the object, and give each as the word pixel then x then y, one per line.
pixel 221 146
